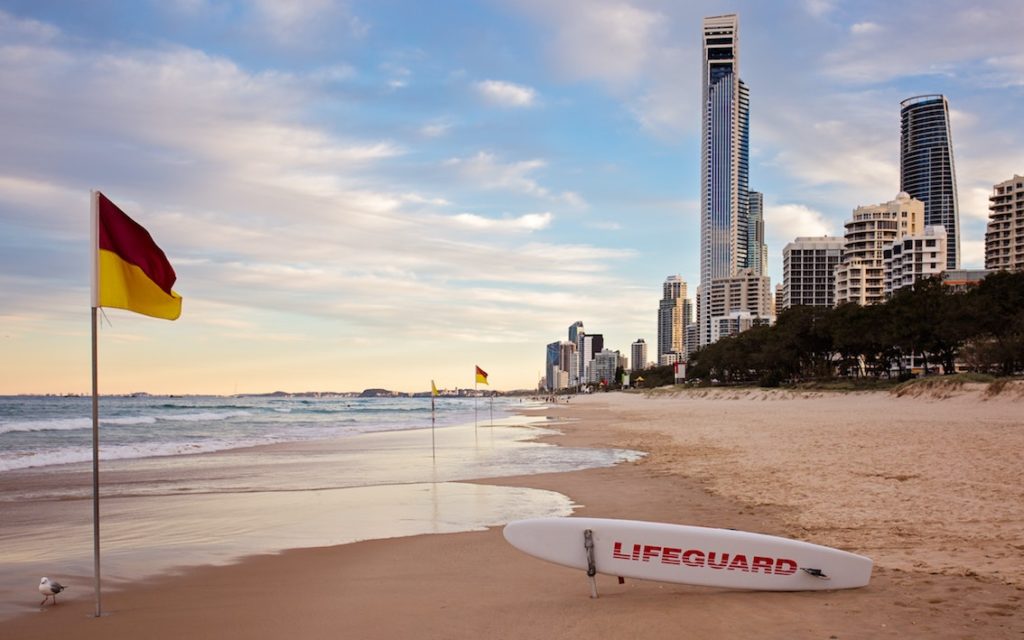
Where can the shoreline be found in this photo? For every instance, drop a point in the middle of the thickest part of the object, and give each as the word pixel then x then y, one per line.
pixel 474 584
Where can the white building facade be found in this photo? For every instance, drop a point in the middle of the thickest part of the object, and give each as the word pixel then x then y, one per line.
pixel 860 275
pixel 913 257
pixel 808 272
pixel 1004 235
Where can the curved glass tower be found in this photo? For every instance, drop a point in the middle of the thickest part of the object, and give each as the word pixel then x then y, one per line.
pixel 926 166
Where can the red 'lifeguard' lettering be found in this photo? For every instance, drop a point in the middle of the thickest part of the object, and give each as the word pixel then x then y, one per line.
pixel 739 563
pixel 693 558
pixel 699 559
pixel 718 565
pixel 784 567
pixel 763 563
pixel 670 555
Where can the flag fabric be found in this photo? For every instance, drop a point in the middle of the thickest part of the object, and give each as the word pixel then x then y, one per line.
pixel 433 389
pixel 481 375
pixel 132 272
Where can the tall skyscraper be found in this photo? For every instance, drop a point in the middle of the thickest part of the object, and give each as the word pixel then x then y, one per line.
pixel 726 238
pixel 674 314
pixel 926 166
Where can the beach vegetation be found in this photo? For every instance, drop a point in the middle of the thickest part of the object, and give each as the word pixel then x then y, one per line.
pixel 923 330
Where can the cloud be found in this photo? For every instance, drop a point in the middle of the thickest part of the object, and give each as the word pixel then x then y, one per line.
pixel 435 129
pixel 506 94
pixel 862 28
pixel 631 51
pixel 819 8
pixel 305 24
pixel 607 41
pixel 944 42
pixel 785 221
pixel 1005 71
pixel 486 171
pixel 972 254
pixel 526 222
pixel 14 30
pixel 265 211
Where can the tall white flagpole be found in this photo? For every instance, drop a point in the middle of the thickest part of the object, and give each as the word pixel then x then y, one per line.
pixel 95 234
pixel 433 442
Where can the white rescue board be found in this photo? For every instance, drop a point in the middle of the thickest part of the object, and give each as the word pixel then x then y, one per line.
pixel 689 555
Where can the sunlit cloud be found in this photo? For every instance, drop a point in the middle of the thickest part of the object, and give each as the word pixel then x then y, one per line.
pixel 506 94
pixel 526 222
pixel 487 171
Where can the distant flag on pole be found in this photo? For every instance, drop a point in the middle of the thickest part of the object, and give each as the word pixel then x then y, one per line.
pixel 481 375
pixel 433 389
pixel 130 271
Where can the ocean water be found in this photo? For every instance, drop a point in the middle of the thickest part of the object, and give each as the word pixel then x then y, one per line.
pixel 38 431
pixel 196 481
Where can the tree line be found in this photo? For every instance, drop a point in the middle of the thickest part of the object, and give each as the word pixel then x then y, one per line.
pixel 929 324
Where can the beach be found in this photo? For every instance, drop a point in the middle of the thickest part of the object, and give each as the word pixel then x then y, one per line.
pixel 927 485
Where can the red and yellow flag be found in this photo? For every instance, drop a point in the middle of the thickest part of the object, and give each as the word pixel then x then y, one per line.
pixel 132 272
pixel 481 375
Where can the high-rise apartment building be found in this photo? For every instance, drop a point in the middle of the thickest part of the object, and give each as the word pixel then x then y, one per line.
pixel 808 272
pixel 675 313
pixel 576 335
pixel 1004 236
pixel 604 366
pixel 638 355
pixel 860 275
pixel 560 356
pixel 593 344
pixel 727 241
pixel 927 172
pixel 913 257
pixel 757 250
pixel 747 294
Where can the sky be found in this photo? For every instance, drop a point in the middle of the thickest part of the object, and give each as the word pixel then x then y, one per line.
pixel 384 193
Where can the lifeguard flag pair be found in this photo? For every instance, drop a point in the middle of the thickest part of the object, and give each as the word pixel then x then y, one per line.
pixel 131 272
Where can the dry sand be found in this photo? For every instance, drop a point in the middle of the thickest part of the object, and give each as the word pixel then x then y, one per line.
pixel 930 487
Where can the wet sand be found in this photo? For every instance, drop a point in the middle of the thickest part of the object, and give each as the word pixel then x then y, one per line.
pixel 929 487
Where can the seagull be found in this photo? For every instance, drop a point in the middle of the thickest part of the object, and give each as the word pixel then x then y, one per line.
pixel 49 589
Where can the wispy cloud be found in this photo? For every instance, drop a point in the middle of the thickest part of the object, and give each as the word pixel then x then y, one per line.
pixel 506 94
pixel 305 24
pixel 526 222
pixel 487 171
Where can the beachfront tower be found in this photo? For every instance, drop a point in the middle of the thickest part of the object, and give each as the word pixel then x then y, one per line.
pixel 860 274
pixel 808 272
pixel 727 242
pixel 1004 235
pixel 576 335
pixel 674 314
pixel 638 355
pixel 757 250
pixel 926 166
